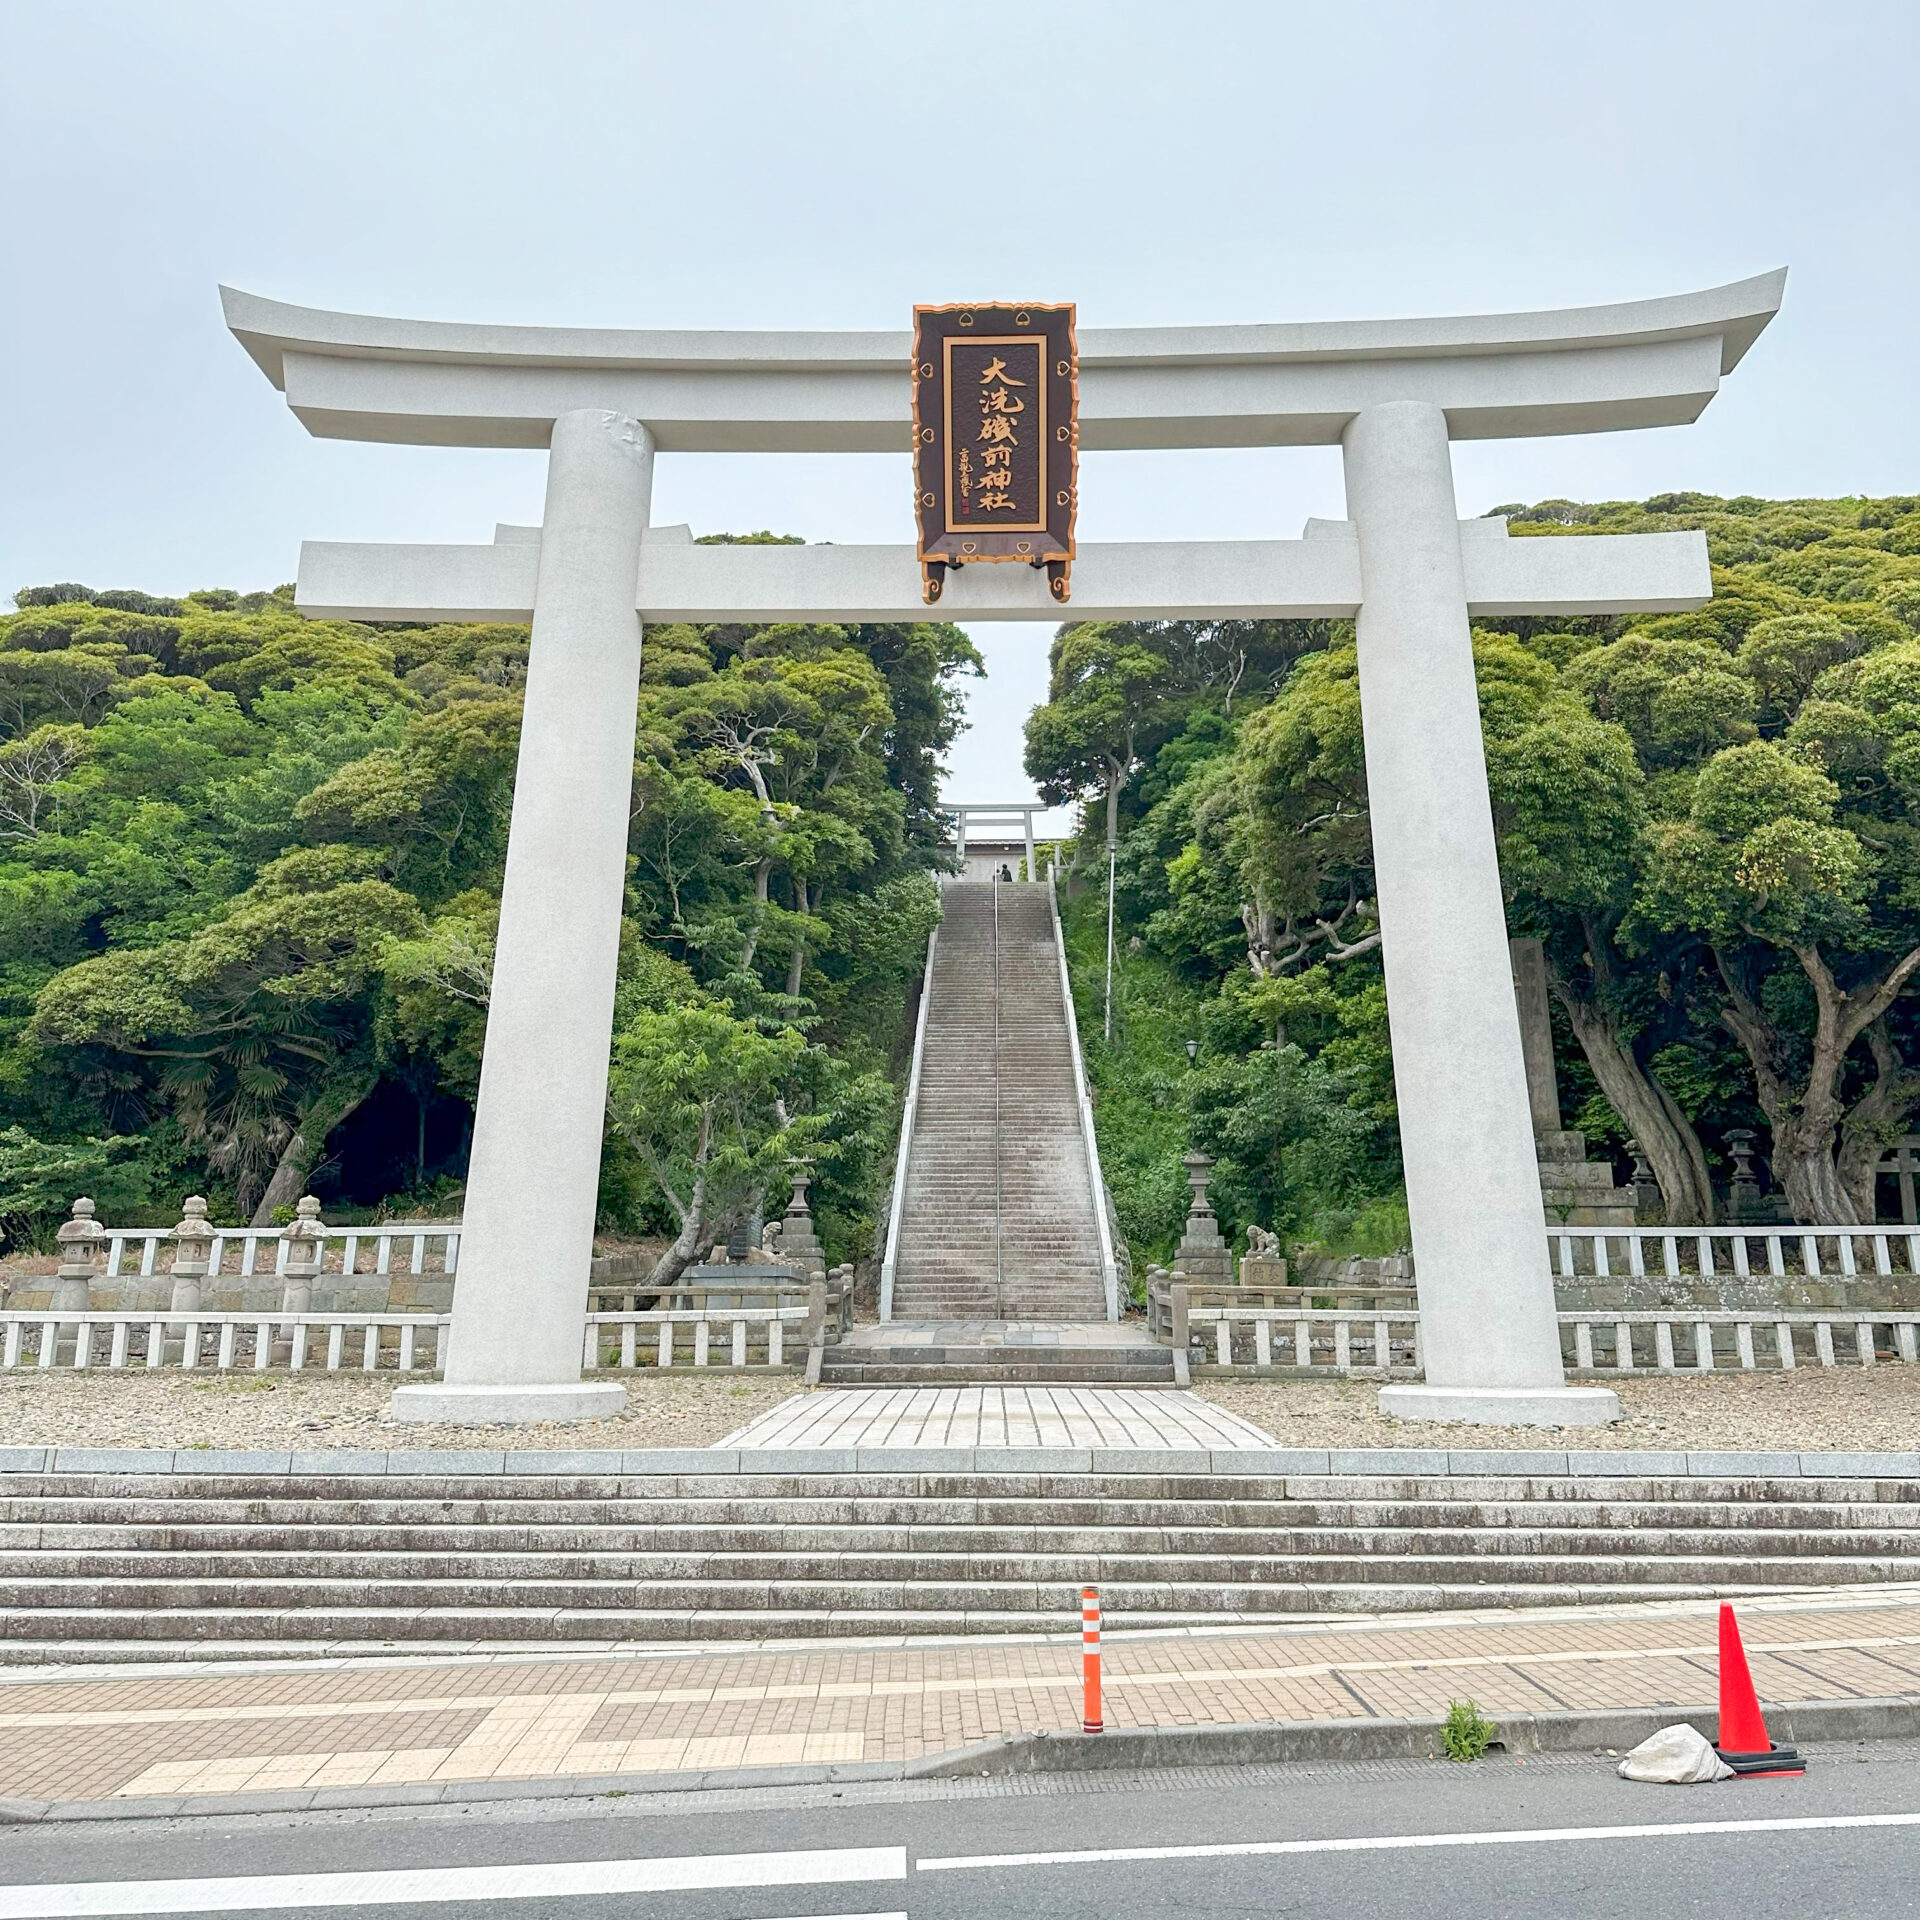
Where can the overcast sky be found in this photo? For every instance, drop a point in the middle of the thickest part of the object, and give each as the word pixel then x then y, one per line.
pixel 827 165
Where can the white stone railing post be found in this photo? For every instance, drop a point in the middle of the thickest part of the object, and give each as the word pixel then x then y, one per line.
pixel 533 1180
pixel 1491 1343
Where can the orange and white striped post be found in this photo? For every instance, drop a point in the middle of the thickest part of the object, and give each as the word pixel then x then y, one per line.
pixel 1090 1658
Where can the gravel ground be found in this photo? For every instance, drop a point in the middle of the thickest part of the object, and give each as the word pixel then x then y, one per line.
pixel 1838 1409
pixel 343 1410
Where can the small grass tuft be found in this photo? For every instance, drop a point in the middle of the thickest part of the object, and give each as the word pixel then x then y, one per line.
pixel 1466 1735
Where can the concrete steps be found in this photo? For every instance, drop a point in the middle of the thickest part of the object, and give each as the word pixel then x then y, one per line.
pixel 1129 1366
pixel 90 1563
pixel 997 1220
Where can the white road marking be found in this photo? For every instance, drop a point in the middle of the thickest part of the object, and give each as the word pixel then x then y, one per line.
pixel 543 1880
pixel 1395 1842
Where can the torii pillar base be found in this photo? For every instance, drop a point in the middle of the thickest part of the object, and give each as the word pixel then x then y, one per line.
pixel 510 1405
pixel 1503 1406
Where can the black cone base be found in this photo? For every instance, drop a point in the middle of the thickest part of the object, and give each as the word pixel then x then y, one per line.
pixel 1774 1760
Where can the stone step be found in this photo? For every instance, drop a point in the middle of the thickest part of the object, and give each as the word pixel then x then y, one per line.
pixel 1279 1585
pixel 1214 1496
pixel 996 1085
pixel 83 1634
pixel 1170 1517
pixel 104 1546
pixel 243 1571
pixel 1072 1366
pixel 208 1560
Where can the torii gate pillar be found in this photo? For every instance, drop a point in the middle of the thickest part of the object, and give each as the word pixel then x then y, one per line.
pixel 533 1181
pixel 1488 1336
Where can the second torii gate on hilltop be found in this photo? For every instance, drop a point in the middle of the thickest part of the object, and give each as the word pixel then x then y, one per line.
pixel 1390 394
pixel 964 816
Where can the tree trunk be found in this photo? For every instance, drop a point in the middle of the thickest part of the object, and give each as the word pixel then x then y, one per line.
pixel 1258 919
pixel 1807 1124
pixel 1804 1165
pixel 1665 1134
pixel 325 1111
pixel 761 874
pixel 685 1247
pixel 1875 1120
pixel 797 966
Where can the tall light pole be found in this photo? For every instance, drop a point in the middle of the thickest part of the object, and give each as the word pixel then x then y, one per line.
pixel 1108 1029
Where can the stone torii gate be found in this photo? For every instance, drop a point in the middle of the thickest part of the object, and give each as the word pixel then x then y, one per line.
pixel 963 817
pixel 1390 394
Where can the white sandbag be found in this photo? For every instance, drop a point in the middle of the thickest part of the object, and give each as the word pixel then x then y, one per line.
pixel 1675 1757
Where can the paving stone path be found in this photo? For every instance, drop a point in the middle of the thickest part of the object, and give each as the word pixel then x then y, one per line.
pixel 283 1726
pixel 997 1417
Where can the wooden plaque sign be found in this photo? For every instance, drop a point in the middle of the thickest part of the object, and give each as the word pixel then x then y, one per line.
pixel 996 438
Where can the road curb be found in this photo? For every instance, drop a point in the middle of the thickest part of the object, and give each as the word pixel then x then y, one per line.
pixel 1241 1744
pixel 1799 1723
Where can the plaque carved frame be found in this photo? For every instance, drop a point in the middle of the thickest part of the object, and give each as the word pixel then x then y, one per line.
pixel 1042 537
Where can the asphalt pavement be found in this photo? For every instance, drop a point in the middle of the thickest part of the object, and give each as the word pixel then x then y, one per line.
pixel 1558 1836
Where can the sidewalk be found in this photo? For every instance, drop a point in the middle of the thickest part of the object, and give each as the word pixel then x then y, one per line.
pixel 284 1726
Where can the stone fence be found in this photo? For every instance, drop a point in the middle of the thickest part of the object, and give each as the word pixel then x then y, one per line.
pixel 1612 1268
pixel 222 1342
pixel 314 1297
pixel 1737 1268
pixel 400 1266
pixel 1218 1336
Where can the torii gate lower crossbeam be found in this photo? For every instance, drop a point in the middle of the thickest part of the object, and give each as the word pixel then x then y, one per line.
pixel 1391 394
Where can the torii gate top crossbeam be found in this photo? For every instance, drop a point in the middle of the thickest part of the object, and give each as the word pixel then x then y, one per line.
pixel 1643 363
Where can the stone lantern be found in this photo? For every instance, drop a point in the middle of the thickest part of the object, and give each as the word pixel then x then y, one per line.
pixel 79 1239
pixel 1744 1188
pixel 305 1246
pixel 799 1244
pixel 1203 1256
pixel 192 1240
pixel 1647 1197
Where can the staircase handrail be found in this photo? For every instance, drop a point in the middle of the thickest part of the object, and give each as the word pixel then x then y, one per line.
pixel 898 1201
pixel 999 1194
pixel 1109 1271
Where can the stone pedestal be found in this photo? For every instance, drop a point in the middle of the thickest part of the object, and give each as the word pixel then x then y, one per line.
pixel 1580 1192
pixel 1577 1192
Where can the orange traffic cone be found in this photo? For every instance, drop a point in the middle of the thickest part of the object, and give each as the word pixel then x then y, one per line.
pixel 1743 1744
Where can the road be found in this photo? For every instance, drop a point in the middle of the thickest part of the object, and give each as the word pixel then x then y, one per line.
pixel 1502 1838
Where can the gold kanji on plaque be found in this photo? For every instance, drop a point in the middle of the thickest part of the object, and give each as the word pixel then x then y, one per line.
pixel 996 394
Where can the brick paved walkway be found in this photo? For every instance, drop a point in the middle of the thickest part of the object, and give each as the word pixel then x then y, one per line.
pixel 493 1718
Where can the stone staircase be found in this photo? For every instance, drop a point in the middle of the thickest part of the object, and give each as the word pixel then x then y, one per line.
pixel 1003 1352
pixel 998 1222
pixel 103 1565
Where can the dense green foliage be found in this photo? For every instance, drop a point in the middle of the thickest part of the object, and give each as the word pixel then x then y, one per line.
pixel 1708 817
pixel 249 883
